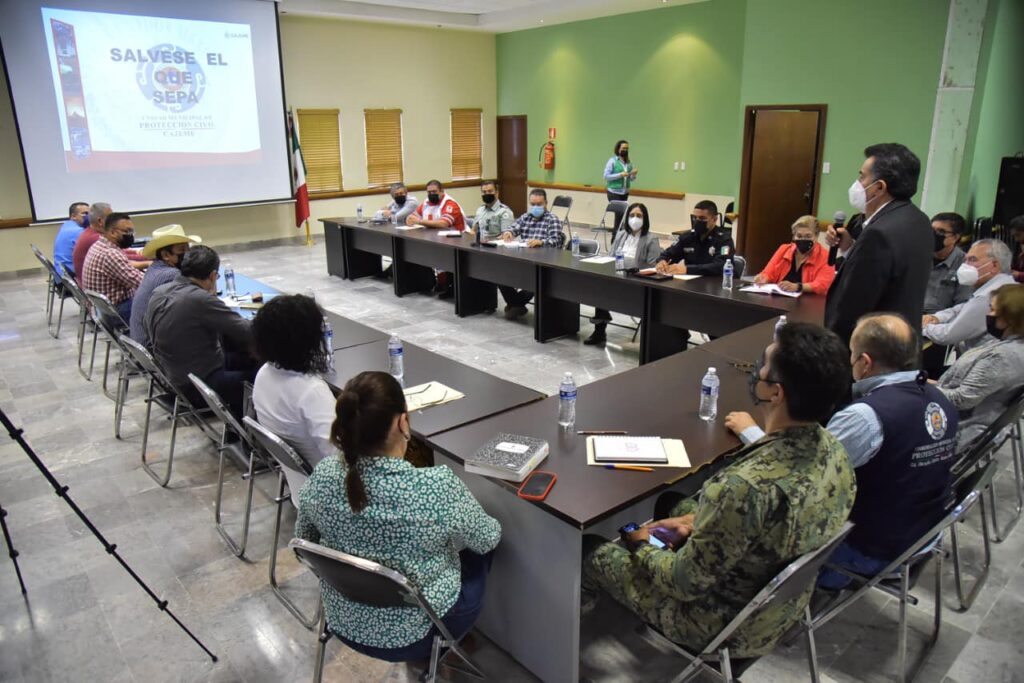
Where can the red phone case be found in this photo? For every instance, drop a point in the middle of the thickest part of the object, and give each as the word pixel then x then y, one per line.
pixel 541 496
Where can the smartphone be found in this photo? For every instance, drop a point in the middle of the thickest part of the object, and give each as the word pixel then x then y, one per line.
pixel 656 542
pixel 537 485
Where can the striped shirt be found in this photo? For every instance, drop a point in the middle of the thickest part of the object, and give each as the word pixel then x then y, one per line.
pixel 107 270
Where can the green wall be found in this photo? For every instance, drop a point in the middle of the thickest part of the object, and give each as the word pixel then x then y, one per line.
pixel 674 81
pixel 875 63
pixel 667 80
pixel 997 128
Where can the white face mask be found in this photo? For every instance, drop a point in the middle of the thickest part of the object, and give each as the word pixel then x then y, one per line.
pixel 858 197
pixel 967 275
pixel 635 223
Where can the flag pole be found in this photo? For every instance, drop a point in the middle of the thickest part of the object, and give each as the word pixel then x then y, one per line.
pixel 309 239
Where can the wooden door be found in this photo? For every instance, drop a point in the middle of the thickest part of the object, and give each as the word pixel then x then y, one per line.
pixel 780 178
pixel 512 162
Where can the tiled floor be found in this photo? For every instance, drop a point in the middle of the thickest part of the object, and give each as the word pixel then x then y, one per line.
pixel 85 620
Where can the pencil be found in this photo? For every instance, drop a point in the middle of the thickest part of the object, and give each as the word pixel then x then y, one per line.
pixel 631 468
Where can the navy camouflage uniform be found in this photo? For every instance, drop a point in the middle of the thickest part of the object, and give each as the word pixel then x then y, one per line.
pixel 786 494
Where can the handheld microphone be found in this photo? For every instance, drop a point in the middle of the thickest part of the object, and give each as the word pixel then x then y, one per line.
pixel 838 221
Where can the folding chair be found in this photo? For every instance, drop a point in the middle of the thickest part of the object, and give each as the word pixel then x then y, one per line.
pixel 976 480
pixel 106 318
pixel 236 442
pixel 292 474
pixel 562 201
pixel 617 208
pixel 54 288
pixel 787 585
pixel 370 583
pixel 896 580
pixel 83 315
pixel 587 247
pixel 739 266
pixel 1006 428
pixel 173 401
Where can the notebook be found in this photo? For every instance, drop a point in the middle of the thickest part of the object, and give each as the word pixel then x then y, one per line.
pixel 629 449
pixel 768 289
pixel 508 456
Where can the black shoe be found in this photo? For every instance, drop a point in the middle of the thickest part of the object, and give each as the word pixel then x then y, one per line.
pixel 513 311
pixel 598 336
pixel 446 293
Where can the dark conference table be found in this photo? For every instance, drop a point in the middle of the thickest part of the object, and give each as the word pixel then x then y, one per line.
pixel 539 561
pixel 560 283
pixel 485 394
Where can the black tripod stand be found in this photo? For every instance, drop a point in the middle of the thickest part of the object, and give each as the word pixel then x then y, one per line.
pixel 62 491
pixel 10 548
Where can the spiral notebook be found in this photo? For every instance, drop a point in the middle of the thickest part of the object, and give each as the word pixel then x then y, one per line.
pixel 630 449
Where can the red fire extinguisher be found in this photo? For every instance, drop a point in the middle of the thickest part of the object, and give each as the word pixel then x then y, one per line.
pixel 547 156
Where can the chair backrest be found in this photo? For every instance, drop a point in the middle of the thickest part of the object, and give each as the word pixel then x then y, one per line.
pixel 562 201
pixel 275 449
pixel 105 314
pixel 144 359
pixel 214 402
pixel 788 584
pixel 617 208
pixel 989 440
pixel 77 294
pixel 47 264
pixel 364 581
pixel 739 265
pixel 589 247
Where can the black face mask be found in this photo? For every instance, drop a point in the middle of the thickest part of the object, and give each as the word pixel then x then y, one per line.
pixel 804 246
pixel 624 154
pixel 127 240
pixel 753 380
pixel 990 325
pixel 699 225
pixel 940 241
pixel 433 197
pixel 488 198
pixel 399 199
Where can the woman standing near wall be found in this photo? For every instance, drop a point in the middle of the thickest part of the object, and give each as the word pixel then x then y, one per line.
pixel 619 173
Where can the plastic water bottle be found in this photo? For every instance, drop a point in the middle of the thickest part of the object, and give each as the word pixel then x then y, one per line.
pixel 567 401
pixel 779 325
pixel 329 342
pixel 620 261
pixel 396 359
pixel 359 213
pixel 575 246
pixel 709 395
pixel 229 279
pixel 727 272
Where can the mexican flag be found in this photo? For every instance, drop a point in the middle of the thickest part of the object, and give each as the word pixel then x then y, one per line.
pixel 298 177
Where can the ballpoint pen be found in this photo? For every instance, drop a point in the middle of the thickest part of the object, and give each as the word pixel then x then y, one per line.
pixel 631 468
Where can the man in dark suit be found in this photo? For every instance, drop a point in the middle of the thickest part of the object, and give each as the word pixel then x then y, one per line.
pixel 886 268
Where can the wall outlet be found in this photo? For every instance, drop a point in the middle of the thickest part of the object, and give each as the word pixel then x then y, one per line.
pixel 682 165
pixel 675 166
pixel 826 167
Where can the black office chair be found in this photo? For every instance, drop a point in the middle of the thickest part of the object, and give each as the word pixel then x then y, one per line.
pixel 370 583
pixel 84 318
pixel 788 584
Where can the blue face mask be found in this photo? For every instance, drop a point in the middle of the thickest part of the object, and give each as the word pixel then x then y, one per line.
pixel 536 211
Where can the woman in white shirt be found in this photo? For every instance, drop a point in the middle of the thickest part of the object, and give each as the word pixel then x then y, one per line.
pixel 290 397
pixel 640 248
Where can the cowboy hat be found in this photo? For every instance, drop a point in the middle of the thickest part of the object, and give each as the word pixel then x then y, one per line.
pixel 166 236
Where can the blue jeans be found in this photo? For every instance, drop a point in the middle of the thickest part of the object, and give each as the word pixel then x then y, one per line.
pixel 125 309
pixel 459 619
pixel 848 557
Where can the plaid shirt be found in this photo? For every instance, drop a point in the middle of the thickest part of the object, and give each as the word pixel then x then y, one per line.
pixel 547 229
pixel 107 271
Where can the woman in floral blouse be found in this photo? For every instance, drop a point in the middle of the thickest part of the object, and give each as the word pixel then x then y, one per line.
pixel 421 522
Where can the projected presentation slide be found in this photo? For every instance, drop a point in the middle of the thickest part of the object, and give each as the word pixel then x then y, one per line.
pixel 139 92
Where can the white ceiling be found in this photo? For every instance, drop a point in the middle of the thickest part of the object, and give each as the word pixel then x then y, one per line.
pixel 492 16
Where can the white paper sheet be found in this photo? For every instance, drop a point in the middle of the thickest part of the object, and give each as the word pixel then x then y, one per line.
pixel 598 259
pixel 430 394
pixel 674 448
pixel 769 289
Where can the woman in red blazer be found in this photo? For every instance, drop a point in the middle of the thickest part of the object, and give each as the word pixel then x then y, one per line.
pixel 801 265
